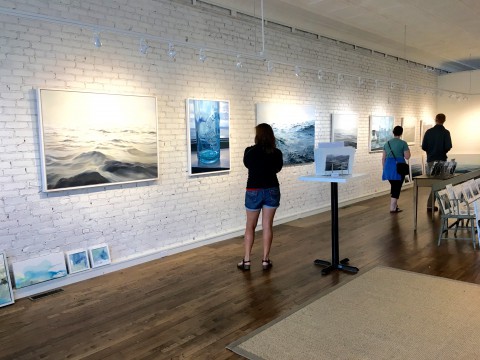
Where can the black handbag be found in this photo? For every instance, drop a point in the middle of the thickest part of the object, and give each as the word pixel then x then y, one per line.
pixel 402 168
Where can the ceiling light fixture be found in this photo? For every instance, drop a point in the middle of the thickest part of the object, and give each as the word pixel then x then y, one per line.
pixel 201 55
pixel 239 64
pixel 143 47
pixel 171 51
pixel 97 42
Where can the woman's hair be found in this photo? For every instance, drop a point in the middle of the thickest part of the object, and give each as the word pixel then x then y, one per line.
pixel 397 131
pixel 264 137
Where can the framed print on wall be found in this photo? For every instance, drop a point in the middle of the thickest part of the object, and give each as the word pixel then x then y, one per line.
pixel 294 129
pixel 409 129
pixel 6 292
pixel 416 167
pixel 77 260
pixel 96 139
pixel 424 126
pixel 208 134
pixel 381 130
pixel 345 128
pixel 99 255
pixel 36 270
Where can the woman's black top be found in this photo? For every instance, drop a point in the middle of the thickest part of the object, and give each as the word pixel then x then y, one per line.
pixel 262 167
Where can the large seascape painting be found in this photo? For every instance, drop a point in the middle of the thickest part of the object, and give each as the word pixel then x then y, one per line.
pixel 39 269
pixel 294 129
pixel 345 128
pixel 208 132
pixel 96 139
pixel 381 130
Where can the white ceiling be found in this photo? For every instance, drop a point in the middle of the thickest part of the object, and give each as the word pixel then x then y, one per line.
pixel 444 34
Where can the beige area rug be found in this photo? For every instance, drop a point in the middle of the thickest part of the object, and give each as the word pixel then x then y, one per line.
pixel 384 313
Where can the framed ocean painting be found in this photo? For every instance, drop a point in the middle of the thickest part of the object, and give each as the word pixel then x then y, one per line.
pixel 345 128
pixel 381 130
pixel 36 270
pixel 294 129
pixel 77 260
pixel 96 139
pixel 99 255
pixel 208 136
pixel 409 129
pixel 6 292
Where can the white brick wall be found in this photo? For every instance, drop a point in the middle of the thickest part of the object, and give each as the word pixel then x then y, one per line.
pixel 136 219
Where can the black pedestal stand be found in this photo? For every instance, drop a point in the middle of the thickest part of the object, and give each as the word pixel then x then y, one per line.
pixel 335 264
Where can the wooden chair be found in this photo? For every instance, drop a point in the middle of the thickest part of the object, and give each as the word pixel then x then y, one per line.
pixel 457 213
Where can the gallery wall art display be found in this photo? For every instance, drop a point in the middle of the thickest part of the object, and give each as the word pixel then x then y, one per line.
pixel 424 126
pixel 99 255
pixel 36 270
pixel 409 129
pixel 416 167
pixel 6 292
pixel 77 260
pixel 465 162
pixel 345 128
pixel 381 130
pixel 208 134
pixel 96 139
pixel 294 129
pixel 334 161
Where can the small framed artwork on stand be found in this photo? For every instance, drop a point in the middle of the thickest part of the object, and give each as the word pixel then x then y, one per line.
pixel 6 292
pixel 334 161
pixel 99 255
pixel 77 260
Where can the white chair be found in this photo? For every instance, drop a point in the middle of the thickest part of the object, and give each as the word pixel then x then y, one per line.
pixel 455 213
pixel 476 209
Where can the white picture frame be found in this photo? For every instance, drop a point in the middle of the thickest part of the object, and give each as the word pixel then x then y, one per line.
pixel 345 128
pixel 99 255
pixel 416 167
pixel 381 130
pixel 334 161
pixel 424 126
pixel 77 260
pixel 409 130
pixel 39 269
pixel 214 117
pixel 90 139
pixel 6 291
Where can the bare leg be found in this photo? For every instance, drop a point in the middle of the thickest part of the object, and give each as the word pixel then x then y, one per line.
pixel 393 204
pixel 252 219
pixel 267 224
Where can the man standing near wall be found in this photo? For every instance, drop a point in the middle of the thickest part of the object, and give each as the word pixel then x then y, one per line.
pixel 436 143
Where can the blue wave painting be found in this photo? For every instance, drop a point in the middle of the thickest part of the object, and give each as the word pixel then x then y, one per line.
pixel 294 129
pixel 78 261
pixel 37 270
pixel 100 256
pixel 97 139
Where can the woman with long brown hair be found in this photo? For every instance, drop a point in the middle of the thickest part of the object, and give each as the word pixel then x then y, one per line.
pixel 263 161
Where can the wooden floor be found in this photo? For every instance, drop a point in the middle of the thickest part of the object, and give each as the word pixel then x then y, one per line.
pixel 191 305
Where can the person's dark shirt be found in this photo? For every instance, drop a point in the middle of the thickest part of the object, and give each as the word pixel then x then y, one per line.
pixel 436 143
pixel 262 167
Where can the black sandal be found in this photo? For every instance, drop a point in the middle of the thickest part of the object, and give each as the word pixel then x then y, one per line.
pixel 267 264
pixel 244 265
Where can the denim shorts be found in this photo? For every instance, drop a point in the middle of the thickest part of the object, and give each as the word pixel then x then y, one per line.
pixel 255 199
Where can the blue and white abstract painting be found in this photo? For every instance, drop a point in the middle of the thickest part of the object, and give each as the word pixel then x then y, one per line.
pixel 294 129
pixel 77 260
pixel 6 292
pixel 381 130
pixel 99 255
pixel 40 269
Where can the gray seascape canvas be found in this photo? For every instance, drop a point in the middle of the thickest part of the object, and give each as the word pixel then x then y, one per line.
pixel 96 139
pixel 408 125
pixel 345 128
pixel 294 129
pixel 381 128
